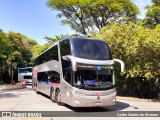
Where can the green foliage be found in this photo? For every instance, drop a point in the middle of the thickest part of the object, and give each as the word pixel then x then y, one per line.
pixel 153 14
pixel 38 49
pixel 138 47
pixel 4 47
pixel 21 46
pixel 1 82
pixel 4 51
pixel 88 15
pixel 57 38
pixel 15 51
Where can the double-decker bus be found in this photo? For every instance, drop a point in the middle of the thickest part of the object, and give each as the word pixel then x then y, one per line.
pixel 25 74
pixel 77 71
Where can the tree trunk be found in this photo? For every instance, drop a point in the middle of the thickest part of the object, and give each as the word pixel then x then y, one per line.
pixel 1 73
pixel 12 81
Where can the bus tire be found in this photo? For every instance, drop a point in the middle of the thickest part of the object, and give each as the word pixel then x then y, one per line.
pixel 57 99
pixel 52 95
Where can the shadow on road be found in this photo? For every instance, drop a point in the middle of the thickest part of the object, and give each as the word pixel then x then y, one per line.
pixel 7 95
pixel 87 109
pixel 117 107
pixel 12 94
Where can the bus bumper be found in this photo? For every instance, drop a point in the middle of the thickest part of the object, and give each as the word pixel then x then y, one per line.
pixel 94 101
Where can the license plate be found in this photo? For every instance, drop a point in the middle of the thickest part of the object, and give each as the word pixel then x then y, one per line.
pixel 98 103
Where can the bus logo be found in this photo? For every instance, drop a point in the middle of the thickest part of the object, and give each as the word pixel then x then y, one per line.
pixel 98 93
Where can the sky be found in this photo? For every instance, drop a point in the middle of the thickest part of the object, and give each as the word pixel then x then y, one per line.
pixel 35 20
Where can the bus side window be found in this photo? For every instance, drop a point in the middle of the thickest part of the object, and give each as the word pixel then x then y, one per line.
pixel 47 78
pixel 41 76
pixel 67 75
pixel 54 77
pixel 65 49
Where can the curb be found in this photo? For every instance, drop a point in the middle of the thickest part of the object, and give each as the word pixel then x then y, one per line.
pixel 11 87
pixel 137 99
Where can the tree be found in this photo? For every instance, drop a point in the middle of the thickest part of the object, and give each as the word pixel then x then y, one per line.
pixel 22 46
pixel 38 49
pixel 57 38
pixel 16 49
pixel 88 15
pixel 153 14
pixel 138 47
pixel 5 49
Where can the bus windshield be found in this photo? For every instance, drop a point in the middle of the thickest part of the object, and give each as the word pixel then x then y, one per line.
pixel 93 79
pixel 90 49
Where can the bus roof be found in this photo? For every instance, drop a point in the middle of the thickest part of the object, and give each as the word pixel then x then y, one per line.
pixel 68 38
pixel 74 38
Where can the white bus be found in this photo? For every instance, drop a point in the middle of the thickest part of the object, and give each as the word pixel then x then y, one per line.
pixel 77 71
pixel 25 74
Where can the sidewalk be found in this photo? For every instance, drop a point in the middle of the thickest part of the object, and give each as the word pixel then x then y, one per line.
pixel 11 87
pixel 2 87
pixel 137 99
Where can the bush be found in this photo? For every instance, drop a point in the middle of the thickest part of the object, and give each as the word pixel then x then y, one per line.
pixel 1 82
pixel 139 48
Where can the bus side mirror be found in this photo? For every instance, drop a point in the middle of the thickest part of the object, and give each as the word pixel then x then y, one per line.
pixel 64 58
pixel 121 63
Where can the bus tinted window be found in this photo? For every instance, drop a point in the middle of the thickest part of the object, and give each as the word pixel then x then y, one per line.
pixel 54 76
pixel 90 49
pixel 51 54
pixel 49 76
pixel 41 76
pixel 67 75
pixel 65 48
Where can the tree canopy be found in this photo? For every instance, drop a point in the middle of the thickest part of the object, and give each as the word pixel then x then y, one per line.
pixel 153 14
pixel 139 48
pixel 4 47
pixel 15 51
pixel 20 49
pixel 38 49
pixel 58 38
pixel 88 15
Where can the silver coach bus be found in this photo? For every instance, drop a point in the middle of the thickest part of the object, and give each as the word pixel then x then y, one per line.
pixel 77 71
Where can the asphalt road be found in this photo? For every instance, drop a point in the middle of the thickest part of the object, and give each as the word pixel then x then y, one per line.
pixel 27 100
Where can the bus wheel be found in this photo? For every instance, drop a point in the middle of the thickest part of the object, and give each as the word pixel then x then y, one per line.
pixel 37 89
pixel 57 97
pixel 52 95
